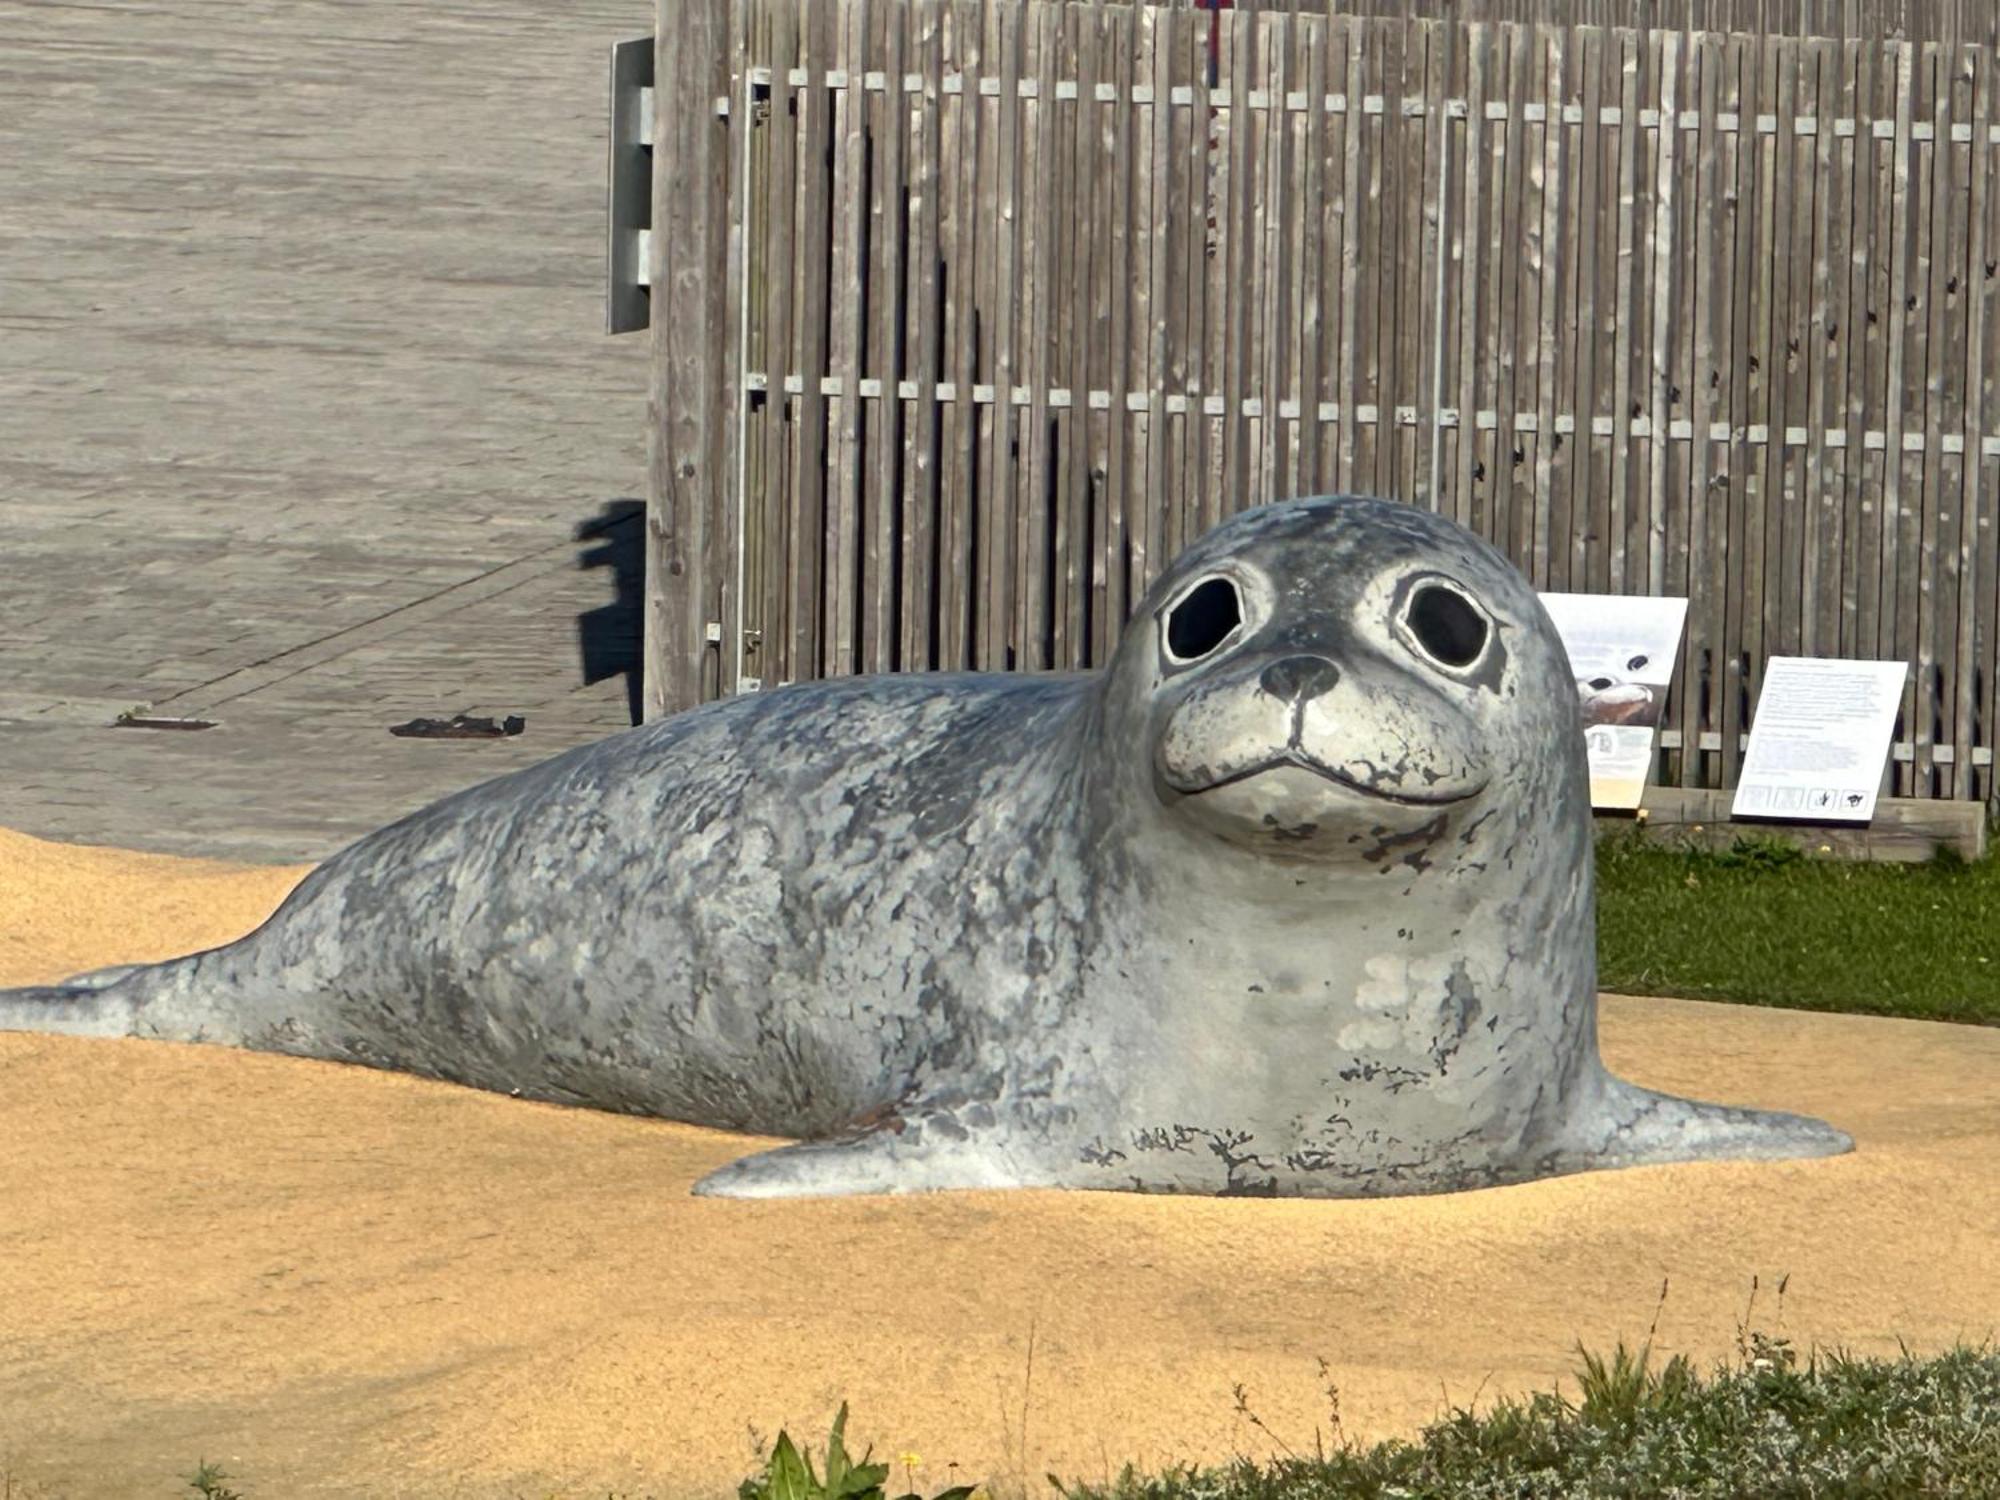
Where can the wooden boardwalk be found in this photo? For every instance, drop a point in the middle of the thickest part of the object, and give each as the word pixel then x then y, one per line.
pixel 303 396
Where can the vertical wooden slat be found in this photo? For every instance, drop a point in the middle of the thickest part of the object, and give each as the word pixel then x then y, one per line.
pixel 1899 603
pixel 1695 702
pixel 1150 532
pixel 1236 249
pixel 1402 229
pixel 724 534
pixel 1138 341
pixel 958 234
pixel 1124 42
pixel 1596 240
pixel 1218 241
pixel 1825 346
pixel 1758 207
pixel 884 414
pixel 1194 500
pixel 1976 640
pixel 1683 541
pixel 1280 259
pixel 1475 295
pixel 1111 172
pixel 1799 456
pixel 1004 564
pixel 1549 267
pixel 1034 523
pixel 923 331
pixel 1664 318
pixel 1355 326
pixel 752 487
pixel 1744 523
pixel 1788 257
pixel 1556 465
pixel 1653 128
pixel 779 475
pixel 1315 305
pixel 1958 80
pixel 691 196
pixel 847 347
pixel 1868 291
pixel 1079 136
pixel 1935 527
pixel 1302 248
pixel 1175 119
pixel 1510 271
pixel 812 305
pixel 1427 486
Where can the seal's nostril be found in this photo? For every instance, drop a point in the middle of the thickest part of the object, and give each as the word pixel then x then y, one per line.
pixel 1297 678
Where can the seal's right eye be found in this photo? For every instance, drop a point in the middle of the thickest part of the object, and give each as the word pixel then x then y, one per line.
pixel 1446 625
pixel 1206 616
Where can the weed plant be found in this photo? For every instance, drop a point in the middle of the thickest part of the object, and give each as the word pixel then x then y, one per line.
pixel 1767 1428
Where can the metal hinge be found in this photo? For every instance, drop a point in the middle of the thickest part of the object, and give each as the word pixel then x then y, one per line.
pixel 628 199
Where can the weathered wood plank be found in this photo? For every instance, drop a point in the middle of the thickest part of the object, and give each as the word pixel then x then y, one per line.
pixel 847 347
pixel 1735 676
pixel 1824 348
pixel 924 449
pixel 1039 284
pixel 1901 496
pixel 883 416
pixel 1130 35
pixel 1354 38
pixel 1976 695
pixel 1550 311
pixel 1905 830
pixel 1468 240
pixel 779 476
pixel 1663 321
pixel 691 374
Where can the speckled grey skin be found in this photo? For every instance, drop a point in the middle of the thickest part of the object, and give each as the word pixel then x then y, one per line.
pixel 1299 908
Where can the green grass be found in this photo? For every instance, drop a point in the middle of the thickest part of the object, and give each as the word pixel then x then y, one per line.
pixel 1765 925
pixel 1832 1428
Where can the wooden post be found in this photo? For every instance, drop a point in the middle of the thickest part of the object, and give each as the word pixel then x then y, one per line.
pixel 690 386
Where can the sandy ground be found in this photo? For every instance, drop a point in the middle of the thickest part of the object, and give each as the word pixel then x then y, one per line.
pixel 343 1282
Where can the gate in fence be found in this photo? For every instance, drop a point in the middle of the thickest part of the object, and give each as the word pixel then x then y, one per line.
pixel 969 315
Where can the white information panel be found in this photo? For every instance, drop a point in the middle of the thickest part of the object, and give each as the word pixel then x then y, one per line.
pixel 1621 651
pixel 1820 739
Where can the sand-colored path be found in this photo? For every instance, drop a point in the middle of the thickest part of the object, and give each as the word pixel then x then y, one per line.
pixel 352 1283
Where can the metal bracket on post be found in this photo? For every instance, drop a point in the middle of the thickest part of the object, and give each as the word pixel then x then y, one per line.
pixel 628 199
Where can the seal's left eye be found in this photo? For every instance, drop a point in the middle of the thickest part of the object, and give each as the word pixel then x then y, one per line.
pixel 1206 617
pixel 1446 625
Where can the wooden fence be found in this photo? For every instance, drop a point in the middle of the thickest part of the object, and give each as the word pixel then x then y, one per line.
pixel 970 313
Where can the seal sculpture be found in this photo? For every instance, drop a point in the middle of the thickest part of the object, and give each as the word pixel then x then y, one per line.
pixel 1294 898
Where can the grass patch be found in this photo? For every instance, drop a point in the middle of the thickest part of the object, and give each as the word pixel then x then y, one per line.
pixel 1769 1427
pixel 1764 925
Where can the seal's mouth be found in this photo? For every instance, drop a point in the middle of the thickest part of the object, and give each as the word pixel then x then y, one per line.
pixel 1293 758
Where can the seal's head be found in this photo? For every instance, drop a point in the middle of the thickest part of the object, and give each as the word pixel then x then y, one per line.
pixel 1349 679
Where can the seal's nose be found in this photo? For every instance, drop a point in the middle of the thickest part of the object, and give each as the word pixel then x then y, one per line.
pixel 1298 678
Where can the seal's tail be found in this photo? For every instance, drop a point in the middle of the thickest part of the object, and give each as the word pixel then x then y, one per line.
pixel 69 1010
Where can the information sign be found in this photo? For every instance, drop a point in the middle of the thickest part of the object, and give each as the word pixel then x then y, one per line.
pixel 1820 739
pixel 1621 650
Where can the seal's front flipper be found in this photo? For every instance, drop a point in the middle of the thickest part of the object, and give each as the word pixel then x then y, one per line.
pixel 1632 1126
pixel 916 1158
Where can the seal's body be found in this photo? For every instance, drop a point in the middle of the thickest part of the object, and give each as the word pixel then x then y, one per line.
pixel 1294 898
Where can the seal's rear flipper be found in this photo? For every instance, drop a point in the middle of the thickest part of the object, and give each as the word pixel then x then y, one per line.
pixel 887 1161
pixel 82 1008
pixel 1632 1127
